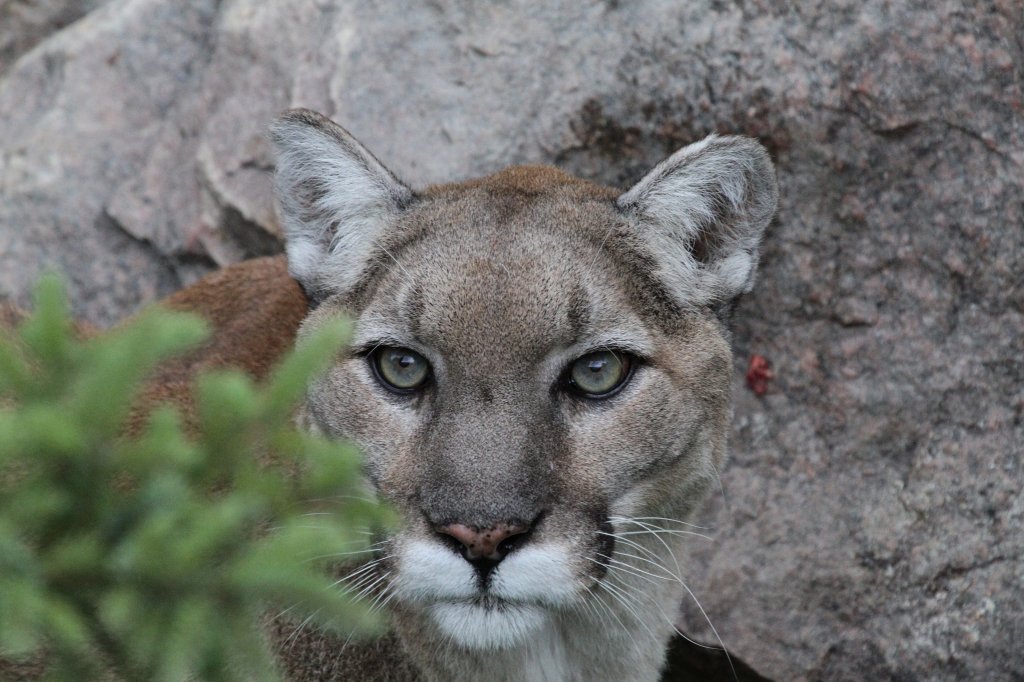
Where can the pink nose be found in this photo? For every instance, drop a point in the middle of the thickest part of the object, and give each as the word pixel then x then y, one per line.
pixel 484 543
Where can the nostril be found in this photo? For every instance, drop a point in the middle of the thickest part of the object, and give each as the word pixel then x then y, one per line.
pixel 514 541
pixel 490 542
pixel 450 541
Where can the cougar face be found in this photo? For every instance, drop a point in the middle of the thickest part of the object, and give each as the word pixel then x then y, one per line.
pixel 538 362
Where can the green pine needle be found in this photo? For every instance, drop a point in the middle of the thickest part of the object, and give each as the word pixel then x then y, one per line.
pixel 156 556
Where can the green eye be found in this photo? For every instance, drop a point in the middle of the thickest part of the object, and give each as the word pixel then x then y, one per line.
pixel 599 374
pixel 400 369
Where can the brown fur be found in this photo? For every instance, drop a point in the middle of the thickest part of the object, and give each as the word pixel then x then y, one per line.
pixel 254 310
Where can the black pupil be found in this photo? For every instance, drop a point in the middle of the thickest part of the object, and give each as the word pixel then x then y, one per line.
pixel 596 365
pixel 405 361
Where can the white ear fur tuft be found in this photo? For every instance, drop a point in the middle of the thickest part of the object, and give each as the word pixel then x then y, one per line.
pixel 703 212
pixel 336 199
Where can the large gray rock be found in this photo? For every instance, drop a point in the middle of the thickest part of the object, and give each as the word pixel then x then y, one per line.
pixel 23 23
pixel 871 523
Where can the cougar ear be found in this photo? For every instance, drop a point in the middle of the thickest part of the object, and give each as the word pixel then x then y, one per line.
pixel 702 212
pixel 336 200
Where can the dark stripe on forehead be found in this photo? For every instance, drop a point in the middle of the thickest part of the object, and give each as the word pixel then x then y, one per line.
pixel 624 252
pixel 413 309
pixel 578 310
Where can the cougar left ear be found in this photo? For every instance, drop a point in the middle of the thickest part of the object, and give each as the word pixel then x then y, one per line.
pixel 702 212
pixel 336 201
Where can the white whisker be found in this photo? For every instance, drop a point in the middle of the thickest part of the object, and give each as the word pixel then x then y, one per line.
pixel 721 488
pixel 664 531
pixel 369 550
pixel 656 518
pixel 298 628
pixel 640 571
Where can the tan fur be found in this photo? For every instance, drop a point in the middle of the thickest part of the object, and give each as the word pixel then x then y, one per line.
pixel 501 283
pixel 525 180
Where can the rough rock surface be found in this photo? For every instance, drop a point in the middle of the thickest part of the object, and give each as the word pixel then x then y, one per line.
pixel 871 522
pixel 23 23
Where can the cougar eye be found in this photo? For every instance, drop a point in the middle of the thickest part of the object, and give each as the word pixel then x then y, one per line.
pixel 400 369
pixel 599 374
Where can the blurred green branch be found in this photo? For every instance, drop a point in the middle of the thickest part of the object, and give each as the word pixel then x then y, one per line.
pixel 154 556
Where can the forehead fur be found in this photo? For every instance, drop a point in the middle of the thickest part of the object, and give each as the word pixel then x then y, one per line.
pixel 536 224
pixel 528 180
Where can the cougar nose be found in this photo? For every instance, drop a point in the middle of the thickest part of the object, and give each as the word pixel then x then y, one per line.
pixel 484 544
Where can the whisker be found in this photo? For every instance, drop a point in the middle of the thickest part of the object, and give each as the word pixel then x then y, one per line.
pixel 372 548
pixel 711 625
pixel 679 632
pixel 721 488
pixel 614 615
pixel 383 591
pixel 652 563
pixel 655 532
pixel 369 588
pixel 362 580
pixel 657 518
pixel 286 611
pixel 298 628
pixel 621 595
pixel 664 531
pixel 408 277
pixel 391 592
pixel 656 536
pixel 588 604
pixel 655 527
pixel 639 572
pixel 631 543
pixel 614 564
pixel 362 569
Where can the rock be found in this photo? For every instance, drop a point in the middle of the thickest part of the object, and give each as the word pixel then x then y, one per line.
pixel 870 522
pixel 23 23
pixel 82 114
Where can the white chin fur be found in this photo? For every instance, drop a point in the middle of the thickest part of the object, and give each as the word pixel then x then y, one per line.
pixel 478 627
pixel 522 589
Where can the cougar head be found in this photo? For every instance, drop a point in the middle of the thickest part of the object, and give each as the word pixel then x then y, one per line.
pixel 536 359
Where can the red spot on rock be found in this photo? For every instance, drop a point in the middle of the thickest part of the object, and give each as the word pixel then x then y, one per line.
pixel 759 373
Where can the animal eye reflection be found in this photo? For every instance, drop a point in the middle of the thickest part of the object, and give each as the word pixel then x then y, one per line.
pixel 599 374
pixel 400 369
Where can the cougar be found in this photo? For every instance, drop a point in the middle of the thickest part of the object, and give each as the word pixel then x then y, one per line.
pixel 539 381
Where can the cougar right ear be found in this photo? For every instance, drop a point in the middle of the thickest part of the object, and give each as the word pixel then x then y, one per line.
pixel 702 212
pixel 336 200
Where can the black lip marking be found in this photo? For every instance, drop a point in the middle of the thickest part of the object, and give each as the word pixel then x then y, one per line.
pixel 605 544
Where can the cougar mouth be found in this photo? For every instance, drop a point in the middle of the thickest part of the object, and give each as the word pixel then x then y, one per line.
pixel 490 602
pixel 499 625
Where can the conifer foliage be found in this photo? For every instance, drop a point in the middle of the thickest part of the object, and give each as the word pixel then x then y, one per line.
pixel 155 557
